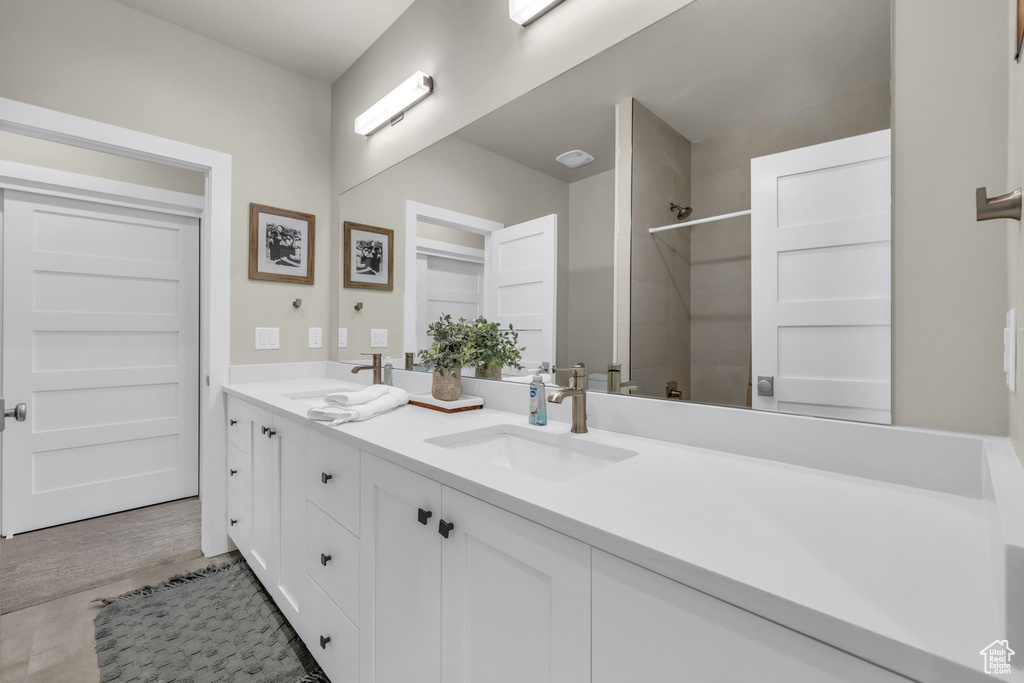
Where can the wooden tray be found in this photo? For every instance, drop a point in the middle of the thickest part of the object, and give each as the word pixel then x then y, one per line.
pixel 460 405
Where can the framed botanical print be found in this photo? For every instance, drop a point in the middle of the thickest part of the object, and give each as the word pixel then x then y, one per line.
pixel 369 257
pixel 281 244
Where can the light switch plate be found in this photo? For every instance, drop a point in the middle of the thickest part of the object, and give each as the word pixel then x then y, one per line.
pixel 316 337
pixel 268 338
pixel 378 339
pixel 342 337
pixel 1010 349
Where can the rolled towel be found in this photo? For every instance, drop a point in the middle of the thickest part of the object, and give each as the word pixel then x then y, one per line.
pixel 336 414
pixel 354 398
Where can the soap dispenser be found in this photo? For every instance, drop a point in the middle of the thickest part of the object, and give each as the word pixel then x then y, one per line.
pixel 389 373
pixel 538 401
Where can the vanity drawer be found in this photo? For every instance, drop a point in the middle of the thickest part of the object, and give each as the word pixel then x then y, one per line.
pixel 338 656
pixel 235 425
pixel 238 474
pixel 332 560
pixel 239 528
pixel 332 479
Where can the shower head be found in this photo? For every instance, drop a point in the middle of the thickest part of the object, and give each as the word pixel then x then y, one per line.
pixel 682 212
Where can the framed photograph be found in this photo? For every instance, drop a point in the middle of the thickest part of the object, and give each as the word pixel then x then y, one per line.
pixel 369 257
pixel 281 244
pixel 1020 28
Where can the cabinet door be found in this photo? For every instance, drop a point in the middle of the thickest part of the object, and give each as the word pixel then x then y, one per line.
pixel 652 629
pixel 260 427
pixel 400 601
pixel 515 598
pixel 289 515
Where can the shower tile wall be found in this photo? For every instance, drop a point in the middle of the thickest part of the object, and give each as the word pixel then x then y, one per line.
pixel 659 264
pixel 720 252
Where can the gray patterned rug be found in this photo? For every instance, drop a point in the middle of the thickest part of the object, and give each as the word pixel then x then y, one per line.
pixel 213 626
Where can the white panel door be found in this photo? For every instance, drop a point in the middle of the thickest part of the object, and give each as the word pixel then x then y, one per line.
pixel 447 285
pixel 523 284
pixel 821 278
pixel 400 576
pixel 101 340
pixel 515 598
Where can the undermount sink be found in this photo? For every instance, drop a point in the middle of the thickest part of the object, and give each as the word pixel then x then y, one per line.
pixel 555 457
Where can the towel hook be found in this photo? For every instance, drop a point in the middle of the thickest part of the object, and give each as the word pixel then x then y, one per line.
pixel 1004 206
pixel 358 306
pixel 297 303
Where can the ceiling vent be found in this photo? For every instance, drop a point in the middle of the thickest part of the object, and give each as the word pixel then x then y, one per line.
pixel 575 158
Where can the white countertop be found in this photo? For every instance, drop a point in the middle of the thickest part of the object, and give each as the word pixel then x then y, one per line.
pixel 888 572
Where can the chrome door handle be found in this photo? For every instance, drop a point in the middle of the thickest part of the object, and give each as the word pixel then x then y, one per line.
pixel 18 412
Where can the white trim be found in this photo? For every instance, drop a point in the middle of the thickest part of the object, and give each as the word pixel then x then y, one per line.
pixel 456 252
pixel 215 273
pixel 54 183
pixel 414 213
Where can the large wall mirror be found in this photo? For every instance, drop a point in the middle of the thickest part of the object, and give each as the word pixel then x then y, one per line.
pixel 703 210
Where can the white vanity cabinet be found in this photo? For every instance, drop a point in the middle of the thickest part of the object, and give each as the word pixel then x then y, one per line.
pixel 458 590
pixel 515 598
pixel 649 628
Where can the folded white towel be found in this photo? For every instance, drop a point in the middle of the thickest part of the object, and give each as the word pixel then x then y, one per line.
pixel 354 398
pixel 526 379
pixel 337 414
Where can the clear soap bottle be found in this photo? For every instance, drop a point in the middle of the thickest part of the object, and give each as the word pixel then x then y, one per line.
pixel 538 401
pixel 389 373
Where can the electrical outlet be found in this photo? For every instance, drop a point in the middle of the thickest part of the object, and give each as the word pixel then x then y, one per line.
pixel 342 337
pixel 316 337
pixel 378 339
pixel 268 338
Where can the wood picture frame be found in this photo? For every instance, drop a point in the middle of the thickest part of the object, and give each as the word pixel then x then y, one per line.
pixel 369 261
pixel 1020 30
pixel 282 244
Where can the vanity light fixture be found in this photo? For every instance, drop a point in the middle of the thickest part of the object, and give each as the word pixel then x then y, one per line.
pixel 575 158
pixel 395 103
pixel 525 12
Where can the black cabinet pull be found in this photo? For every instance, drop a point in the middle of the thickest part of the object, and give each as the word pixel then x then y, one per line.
pixel 324 641
pixel 265 429
pixel 324 477
pixel 445 528
pixel 270 433
pixel 324 559
pixel 424 515
pixel 234 472
pixel 232 422
pixel 234 522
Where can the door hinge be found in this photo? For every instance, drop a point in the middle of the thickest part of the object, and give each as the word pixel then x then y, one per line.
pixel 207 380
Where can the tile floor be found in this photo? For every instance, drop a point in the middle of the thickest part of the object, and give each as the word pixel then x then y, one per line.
pixel 54 642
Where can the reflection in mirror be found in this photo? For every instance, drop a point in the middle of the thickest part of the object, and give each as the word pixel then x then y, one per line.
pixel 732 225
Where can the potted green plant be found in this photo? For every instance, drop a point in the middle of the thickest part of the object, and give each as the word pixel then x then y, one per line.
pixel 447 355
pixel 493 348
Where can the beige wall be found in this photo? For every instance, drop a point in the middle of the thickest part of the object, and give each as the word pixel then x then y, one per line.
pixel 454 175
pixel 1015 240
pixel 104 61
pixel 659 263
pixel 480 60
pixel 950 114
pixel 590 271
pixel 720 252
pixel 37 152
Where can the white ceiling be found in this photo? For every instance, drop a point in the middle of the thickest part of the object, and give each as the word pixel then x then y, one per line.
pixel 712 67
pixel 318 38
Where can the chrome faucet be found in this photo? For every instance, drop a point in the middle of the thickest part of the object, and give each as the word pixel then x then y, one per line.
pixel 577 391
pixel 376 367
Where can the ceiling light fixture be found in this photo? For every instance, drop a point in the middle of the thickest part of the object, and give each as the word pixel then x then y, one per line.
pixel 525 12
pixel 395 103
pixel 575 158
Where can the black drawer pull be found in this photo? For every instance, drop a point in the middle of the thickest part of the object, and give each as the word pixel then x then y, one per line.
pixel 324 559
pixel 424 515
pixel 445 528
pixel 234 522
pixel 264 430
pixel 234 472
pixel 232 422
pixel 324 641
pixel 324 477
pixel 270 433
